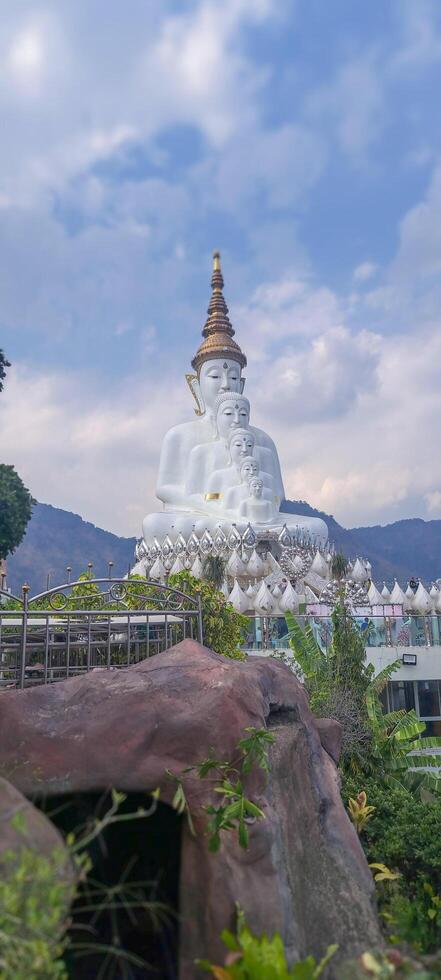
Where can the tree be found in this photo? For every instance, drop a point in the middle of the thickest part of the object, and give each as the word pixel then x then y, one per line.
pixel 15 509
pixel 3 365
pixel 213 570
pixel 339 566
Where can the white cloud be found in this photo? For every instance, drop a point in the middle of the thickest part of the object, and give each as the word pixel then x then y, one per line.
pixel 364 271
pixel 351 105
pixel 92 453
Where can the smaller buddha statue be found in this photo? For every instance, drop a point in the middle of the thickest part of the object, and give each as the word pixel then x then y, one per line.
pixel 240 491
pixel 254 507
pixel 231 411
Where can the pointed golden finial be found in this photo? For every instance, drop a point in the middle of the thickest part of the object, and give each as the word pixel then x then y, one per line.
pixel 217 332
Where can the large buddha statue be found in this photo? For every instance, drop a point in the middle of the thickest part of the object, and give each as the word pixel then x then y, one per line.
pixel 202 479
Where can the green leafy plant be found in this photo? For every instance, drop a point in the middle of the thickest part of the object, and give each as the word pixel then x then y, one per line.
pixel 234 810
pixel 339 566
pixel 359 811
pixel 402 836
pixel 398 752
pixel 223 627
pixel 389 744
pixel 213 570
pixel 336 680
pixel 261 958
pixel 35 895
pixel 34 898
pixel 390 964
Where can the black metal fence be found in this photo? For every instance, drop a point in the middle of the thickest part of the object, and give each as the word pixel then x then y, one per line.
pixel 88 625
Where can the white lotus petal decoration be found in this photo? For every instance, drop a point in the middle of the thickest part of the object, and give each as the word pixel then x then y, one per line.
pixel 385 593
pixel 238 599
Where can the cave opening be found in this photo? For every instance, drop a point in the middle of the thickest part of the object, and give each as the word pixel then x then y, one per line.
pixel 125 919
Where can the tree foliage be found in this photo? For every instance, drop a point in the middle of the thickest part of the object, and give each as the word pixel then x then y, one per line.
pixel 3 365
pixel 223 627
pixel 15 509
pixel 404 833
pixel 213 570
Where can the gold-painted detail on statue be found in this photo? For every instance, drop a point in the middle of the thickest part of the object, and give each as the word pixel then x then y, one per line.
pixel 191 379
pixel 213 496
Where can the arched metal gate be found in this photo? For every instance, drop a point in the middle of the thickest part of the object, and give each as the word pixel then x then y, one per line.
pixel 88 625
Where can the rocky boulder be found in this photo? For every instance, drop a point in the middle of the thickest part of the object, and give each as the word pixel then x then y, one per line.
pixel 304 873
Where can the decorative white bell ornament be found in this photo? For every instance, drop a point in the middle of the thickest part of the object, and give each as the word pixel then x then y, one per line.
pixel 319 565
pixel 235 565
pixel 157 571
pixel 359 573
pixel 178 566
pixel 374 596
pixel 409 597
pixel 255 566
pixel 251 592
pixel 422 602
pixel 238 598
pixel 264 603
pixel 397 595
pixel 434 593
pixel 289 601
pixel 196 568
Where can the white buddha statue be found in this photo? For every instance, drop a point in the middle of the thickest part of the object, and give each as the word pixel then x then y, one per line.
pixel 194 451
pixel 255 508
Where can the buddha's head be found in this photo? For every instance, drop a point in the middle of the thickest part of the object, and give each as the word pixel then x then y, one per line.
pixel 231 411
pixel 256 487
pixel 240 445
pixel 249 469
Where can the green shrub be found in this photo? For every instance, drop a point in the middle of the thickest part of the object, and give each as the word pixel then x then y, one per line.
pixel 260 958
pixel 33 903
pixel 223 627
pixel 404 834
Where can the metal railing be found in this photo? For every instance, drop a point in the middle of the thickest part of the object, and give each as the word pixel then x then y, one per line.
pixel 270 632
pixel 90 624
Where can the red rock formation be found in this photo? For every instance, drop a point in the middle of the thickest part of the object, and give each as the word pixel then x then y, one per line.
pixel 304 873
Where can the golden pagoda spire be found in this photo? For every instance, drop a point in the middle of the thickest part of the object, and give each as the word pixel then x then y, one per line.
pixel 217 331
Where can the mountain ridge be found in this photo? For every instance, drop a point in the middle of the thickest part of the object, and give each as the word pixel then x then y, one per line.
pixel 56 538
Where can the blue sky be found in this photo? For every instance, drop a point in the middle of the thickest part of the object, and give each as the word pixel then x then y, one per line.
pixel 301 138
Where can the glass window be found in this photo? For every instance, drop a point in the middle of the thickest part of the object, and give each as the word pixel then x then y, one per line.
pixel 428 697
pixel 401 695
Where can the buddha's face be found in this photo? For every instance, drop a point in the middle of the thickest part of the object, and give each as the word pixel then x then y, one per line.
pixel 232 413
pixel 241 446
pixel 256 487
pixel 218 375
pixel 249 469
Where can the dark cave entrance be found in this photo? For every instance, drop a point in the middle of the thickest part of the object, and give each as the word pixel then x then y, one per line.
pixel 129 901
